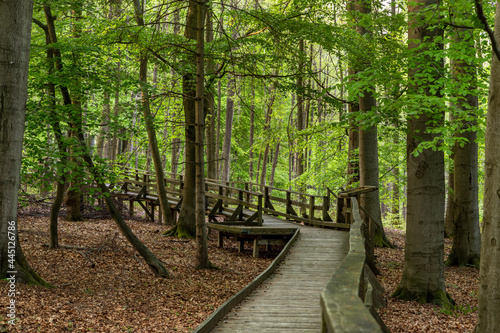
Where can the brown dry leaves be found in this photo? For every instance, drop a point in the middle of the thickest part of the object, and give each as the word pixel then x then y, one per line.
pixel 108 288
pixel 400 316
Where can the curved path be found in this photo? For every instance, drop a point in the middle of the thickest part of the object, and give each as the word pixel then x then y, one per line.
pixel 288 301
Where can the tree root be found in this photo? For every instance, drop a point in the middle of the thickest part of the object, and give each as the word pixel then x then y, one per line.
pixel 439 297
pixel 180 232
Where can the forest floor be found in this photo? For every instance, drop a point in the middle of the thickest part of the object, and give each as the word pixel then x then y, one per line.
pixel 106 287
pixel 401 316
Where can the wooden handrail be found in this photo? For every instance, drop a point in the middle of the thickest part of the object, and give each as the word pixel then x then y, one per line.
pixel 292 205
pixel 343 299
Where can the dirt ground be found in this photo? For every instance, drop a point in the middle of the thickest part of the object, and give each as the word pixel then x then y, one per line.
pixel 461 283
pixel 106 287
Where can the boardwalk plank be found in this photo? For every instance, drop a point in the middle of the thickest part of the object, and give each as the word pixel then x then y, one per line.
pixel 288 301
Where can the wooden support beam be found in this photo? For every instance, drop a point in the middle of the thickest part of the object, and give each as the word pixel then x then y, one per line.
pixel 131 207
pixel 220 239
pixel 311 208
pixel 241 244
pixel 256 247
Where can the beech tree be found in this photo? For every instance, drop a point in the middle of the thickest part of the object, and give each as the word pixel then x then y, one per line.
pixel 15 35
pixel 466 246
pixel 148 119
pixel 489 283
pixel 423 274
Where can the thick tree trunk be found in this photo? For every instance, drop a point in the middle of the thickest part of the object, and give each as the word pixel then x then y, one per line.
pixel 423 274
pixel 15 30
pixel 466 248
pixel 489 283
pixel 150 128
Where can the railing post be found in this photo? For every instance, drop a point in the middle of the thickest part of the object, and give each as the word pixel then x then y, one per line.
pixel 240 198
pixel 266 197
pixel 288 203
pixel 326 208
pixel 221 192
pixel 311 208
pixel 228 193
pixel 247 193
pixel 259 210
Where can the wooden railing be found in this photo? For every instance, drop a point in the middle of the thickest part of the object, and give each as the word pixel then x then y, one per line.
pixel 346 302
pixel 292 205
pixel 235 198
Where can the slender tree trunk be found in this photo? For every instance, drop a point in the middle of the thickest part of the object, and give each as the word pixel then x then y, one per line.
pixel 353 133
pixel 202 260
pixel 423 274
pixel 210 108
pixel 275 163
pixel 368 158
pixel 14 61
pixel 217 135
pixel 226 146
pixel 74 195
pixel 252 133
pixel 104 131
pixel 300 118
pixel 150 128
pixel 186 224
pixel 54 123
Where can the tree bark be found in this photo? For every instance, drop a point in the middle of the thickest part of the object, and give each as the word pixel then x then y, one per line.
pixel 150 128
pixel 210 108
pixel 423 274
pixel 489 283
pixel 202 260
pixel 186 224
pixel 252 133
pixel 15 35
pixel 368 158
pixel 466 247
pixel 226 145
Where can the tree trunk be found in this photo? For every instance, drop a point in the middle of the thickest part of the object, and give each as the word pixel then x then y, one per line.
pixel 226 145
pixel 300 121
pixel 15 36
pixel 150 128
pixel 186 224
pixel 202 260
pixel 489 283
pixel 423 274
pixel 368 159
pixel 353 133
pixel 252 133
pixel 74 195
pixel 275 164
pixel 210 108
pixel 466 248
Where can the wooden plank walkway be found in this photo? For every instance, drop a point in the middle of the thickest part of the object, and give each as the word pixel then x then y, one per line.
pixel 288 301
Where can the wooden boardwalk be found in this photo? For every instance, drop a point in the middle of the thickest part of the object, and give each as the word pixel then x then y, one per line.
pixel 289 301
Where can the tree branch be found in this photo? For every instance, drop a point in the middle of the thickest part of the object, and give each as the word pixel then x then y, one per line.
pixel 491 34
